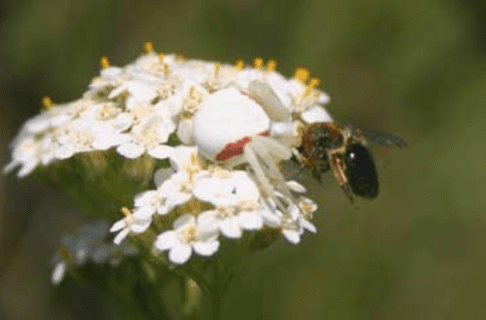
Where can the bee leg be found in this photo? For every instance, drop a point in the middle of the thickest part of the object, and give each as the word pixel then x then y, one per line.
pixel 319 170
pixel 347 190
pixel 324 167
pixel 294 159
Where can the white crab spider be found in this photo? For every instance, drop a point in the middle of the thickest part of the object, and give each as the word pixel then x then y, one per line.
pixel 232 128
pixel 282 126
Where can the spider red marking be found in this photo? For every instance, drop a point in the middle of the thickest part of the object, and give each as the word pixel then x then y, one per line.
pixel 233 149
pixel 251 96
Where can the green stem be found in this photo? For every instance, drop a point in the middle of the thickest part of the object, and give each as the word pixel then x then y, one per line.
pixel 216 302
pixel 217 290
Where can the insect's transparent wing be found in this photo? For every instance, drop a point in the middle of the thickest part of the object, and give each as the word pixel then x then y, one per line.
pixel 381 138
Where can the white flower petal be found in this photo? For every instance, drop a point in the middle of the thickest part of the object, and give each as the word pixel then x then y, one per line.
pixel 296 187
pixel 10 166
pixel 162 175
pixel 230 228
pixel 208 222
pixel 140 226
pixel 180 254
pixel 161 152
pixel 293 236
pixel 130 150
pixel 182 157
pixel 120 236
pixel 324 98
pixel 247 190
pixel 209 189
pixel 163 209
pixel 184 220
pixel 107 139
pixel 178 198
pixel 294 211
pixel 316 114
pixel 58 273
pixel 141 90
pixel 111 72
pixel 307 225
pixel 118 225
pixel 27 168
pixel 145 198
pixel 185 131
pixel 206 248
pixel 38 124
pixel 59 120
pixel 272 220
pixel 121 122
pixel 144 213
pixel 167 240
pixel 117 91
pixel 250 220
pixel 64 152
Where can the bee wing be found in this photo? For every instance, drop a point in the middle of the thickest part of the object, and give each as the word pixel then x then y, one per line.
pixel 381 138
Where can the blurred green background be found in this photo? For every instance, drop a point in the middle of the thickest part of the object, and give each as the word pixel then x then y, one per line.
pixel 417 68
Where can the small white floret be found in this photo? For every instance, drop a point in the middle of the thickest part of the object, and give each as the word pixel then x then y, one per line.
pixel 148 136
pixel 129 224
pixel 187 235
pixel 173 192
pixel 186 158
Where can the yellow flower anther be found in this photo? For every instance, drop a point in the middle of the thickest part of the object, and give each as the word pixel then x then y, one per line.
pixel 217 67
pixel 271 65
pixel 161 57
pixel 166 69
pixel 47 102
pixel 148 47
pixel 239 64
pixel 126 211
pixel 258 62
pixel 104 62
pixel 180 57
pixel 307 207
pixel 313 83
pixel 302 74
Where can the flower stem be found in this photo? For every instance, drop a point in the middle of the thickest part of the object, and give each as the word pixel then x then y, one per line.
pixel 216 303
pixel 217 289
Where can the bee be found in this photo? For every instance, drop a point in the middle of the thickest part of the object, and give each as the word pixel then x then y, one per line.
pixel 330 145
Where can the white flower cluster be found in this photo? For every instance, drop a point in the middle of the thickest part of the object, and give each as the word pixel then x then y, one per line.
pixel 236 204
pixel 136 108
pixel 243 121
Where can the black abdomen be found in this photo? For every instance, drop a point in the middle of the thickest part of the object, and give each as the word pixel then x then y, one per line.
pixel 361 171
